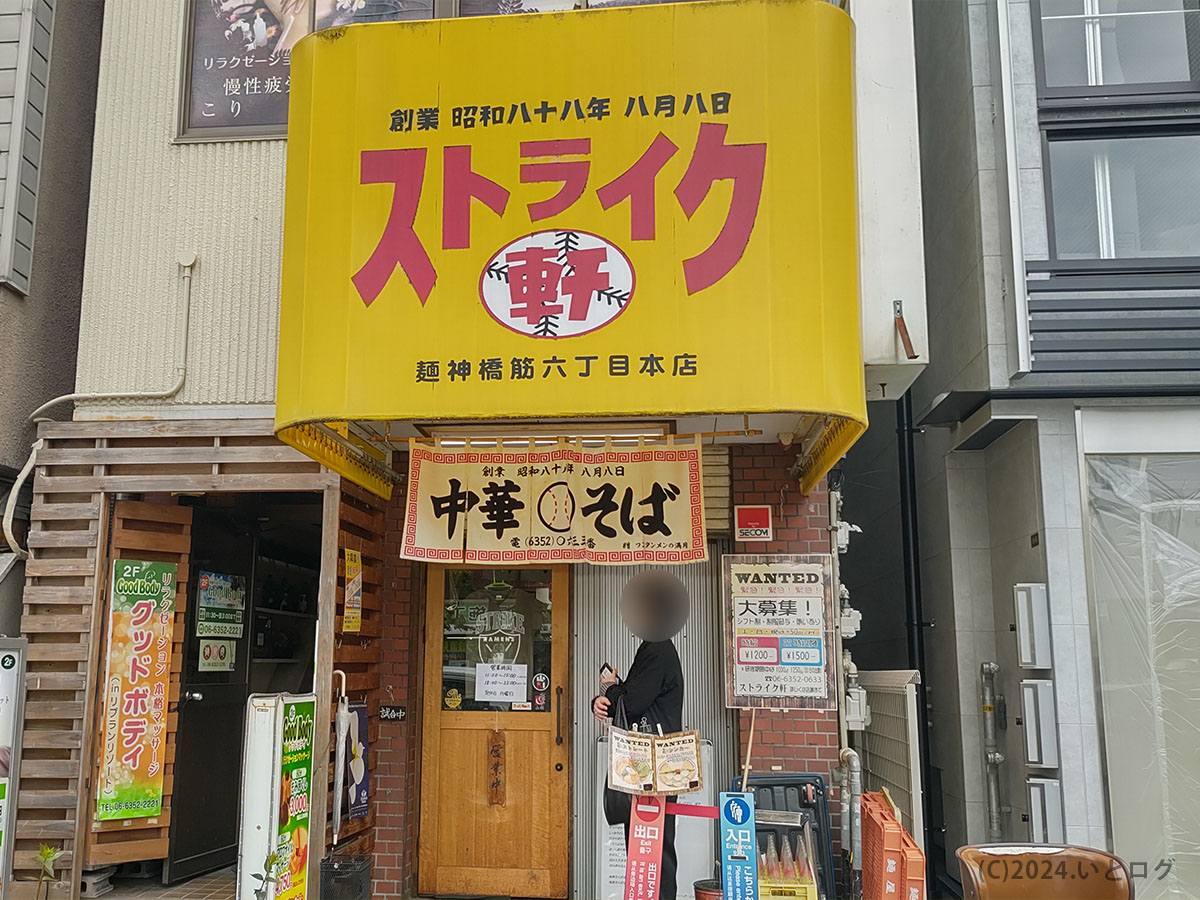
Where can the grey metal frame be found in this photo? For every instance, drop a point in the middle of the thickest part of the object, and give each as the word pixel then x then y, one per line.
pixel 1082 131
pixel 19 646
pixel 1115 94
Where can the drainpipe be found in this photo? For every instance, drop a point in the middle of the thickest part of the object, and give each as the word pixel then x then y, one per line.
pixel 853 766
pixel 914 611
pixel 187 260
pixel 991 751
pixel 839 661
pixel 11 506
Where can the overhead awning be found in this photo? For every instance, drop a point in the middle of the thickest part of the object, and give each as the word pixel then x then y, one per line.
pixel 613 215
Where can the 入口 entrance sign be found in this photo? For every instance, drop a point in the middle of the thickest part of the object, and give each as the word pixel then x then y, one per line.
pixel 622 222
pixel 140 623
pixel 778 631
pixel 611 506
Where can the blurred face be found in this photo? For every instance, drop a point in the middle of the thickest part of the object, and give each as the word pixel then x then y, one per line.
pixel 654 605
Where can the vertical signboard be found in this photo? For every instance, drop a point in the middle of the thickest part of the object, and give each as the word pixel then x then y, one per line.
pixel 739 847
pixel 778 631
pixel 352 611
pixel 295 792
pixel 12 697
pixel 643 867
pixel 140 623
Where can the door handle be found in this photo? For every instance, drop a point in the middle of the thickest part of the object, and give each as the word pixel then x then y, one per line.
pixel 193 695
pixel 558 692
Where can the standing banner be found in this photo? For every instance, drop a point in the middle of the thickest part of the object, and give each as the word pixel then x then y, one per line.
pixel 778 631
pixel 12 705
pixel 295 792
pixel 357 783
pixel 220 605
pixel 643 867
pixel 352 609
pixel 739 847
pixel 608 506
pixel 140 623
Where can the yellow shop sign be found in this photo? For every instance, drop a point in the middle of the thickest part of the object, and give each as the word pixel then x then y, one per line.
pixel 642 211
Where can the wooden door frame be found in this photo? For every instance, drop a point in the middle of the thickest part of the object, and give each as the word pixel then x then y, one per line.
pixel 431 711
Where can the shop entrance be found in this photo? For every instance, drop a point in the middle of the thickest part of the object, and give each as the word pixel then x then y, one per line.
pixel 250 628
pixel 496 734
pixel 246 614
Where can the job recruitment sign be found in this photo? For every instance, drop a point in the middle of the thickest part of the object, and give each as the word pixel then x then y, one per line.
pixel 607 213
pixel 778 631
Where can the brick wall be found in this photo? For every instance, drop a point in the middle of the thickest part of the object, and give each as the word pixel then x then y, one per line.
pixel 395 780
pixel 800 742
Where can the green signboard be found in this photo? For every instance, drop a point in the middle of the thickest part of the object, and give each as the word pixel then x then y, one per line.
pixel 136 682
pixel 295 792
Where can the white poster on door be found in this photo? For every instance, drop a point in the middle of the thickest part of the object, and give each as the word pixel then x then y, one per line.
pixel 501 682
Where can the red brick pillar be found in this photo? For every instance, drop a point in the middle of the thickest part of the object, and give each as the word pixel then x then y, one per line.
pixel 394 780
pixel 800 742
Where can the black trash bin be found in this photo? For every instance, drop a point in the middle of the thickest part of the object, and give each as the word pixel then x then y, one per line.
pixel 346 878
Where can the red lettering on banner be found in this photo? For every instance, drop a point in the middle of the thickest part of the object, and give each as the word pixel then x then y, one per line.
pixel 637 183
pixel 712 160
pixel 573 174
pixel 459 186
pixel 399 244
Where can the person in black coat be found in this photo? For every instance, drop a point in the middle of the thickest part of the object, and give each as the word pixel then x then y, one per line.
pixel 655 610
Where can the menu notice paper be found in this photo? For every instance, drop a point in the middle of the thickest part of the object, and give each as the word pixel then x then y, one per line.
pixel 654 765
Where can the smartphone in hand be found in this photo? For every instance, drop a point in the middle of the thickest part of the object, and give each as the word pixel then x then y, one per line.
pixel 608 677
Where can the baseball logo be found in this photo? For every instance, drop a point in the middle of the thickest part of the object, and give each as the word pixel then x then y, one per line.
pixel 556 284
pixel 556 507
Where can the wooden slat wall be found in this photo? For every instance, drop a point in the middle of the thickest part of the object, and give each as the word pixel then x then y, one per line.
pixel 60 618
pixel 361 528
pixel 718 508
pixel 155 532
pixel 63 615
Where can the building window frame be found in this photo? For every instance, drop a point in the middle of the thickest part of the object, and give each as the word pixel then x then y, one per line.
pixel 1063 131
pixel 1173 92
pixel 185 134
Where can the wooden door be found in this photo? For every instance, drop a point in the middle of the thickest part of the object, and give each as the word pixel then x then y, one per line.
pixel 496 773
pixel 155 532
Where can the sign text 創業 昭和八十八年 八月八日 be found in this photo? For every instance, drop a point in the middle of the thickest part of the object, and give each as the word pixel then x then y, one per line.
pixel 650 240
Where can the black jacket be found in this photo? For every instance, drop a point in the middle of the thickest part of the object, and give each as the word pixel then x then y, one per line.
pixel 653 689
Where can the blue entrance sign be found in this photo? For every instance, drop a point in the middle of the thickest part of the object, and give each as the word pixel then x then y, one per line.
pixel 739 847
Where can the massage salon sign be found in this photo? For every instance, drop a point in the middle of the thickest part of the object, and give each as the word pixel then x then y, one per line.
pixel 133 753
pixel 606 214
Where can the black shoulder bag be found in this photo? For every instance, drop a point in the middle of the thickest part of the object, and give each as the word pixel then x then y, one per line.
pixel 617 804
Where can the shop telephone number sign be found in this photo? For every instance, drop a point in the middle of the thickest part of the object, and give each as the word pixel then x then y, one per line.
pixel 609 505
pixel 778 631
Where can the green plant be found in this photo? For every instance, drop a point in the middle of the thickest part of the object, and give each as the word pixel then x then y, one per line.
pixel 47 857
pixel 267 876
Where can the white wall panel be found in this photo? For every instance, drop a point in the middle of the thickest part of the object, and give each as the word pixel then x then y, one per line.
pixel 152 199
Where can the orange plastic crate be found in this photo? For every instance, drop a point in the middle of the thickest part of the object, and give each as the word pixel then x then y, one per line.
pixel 885 862
pixel 914 869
